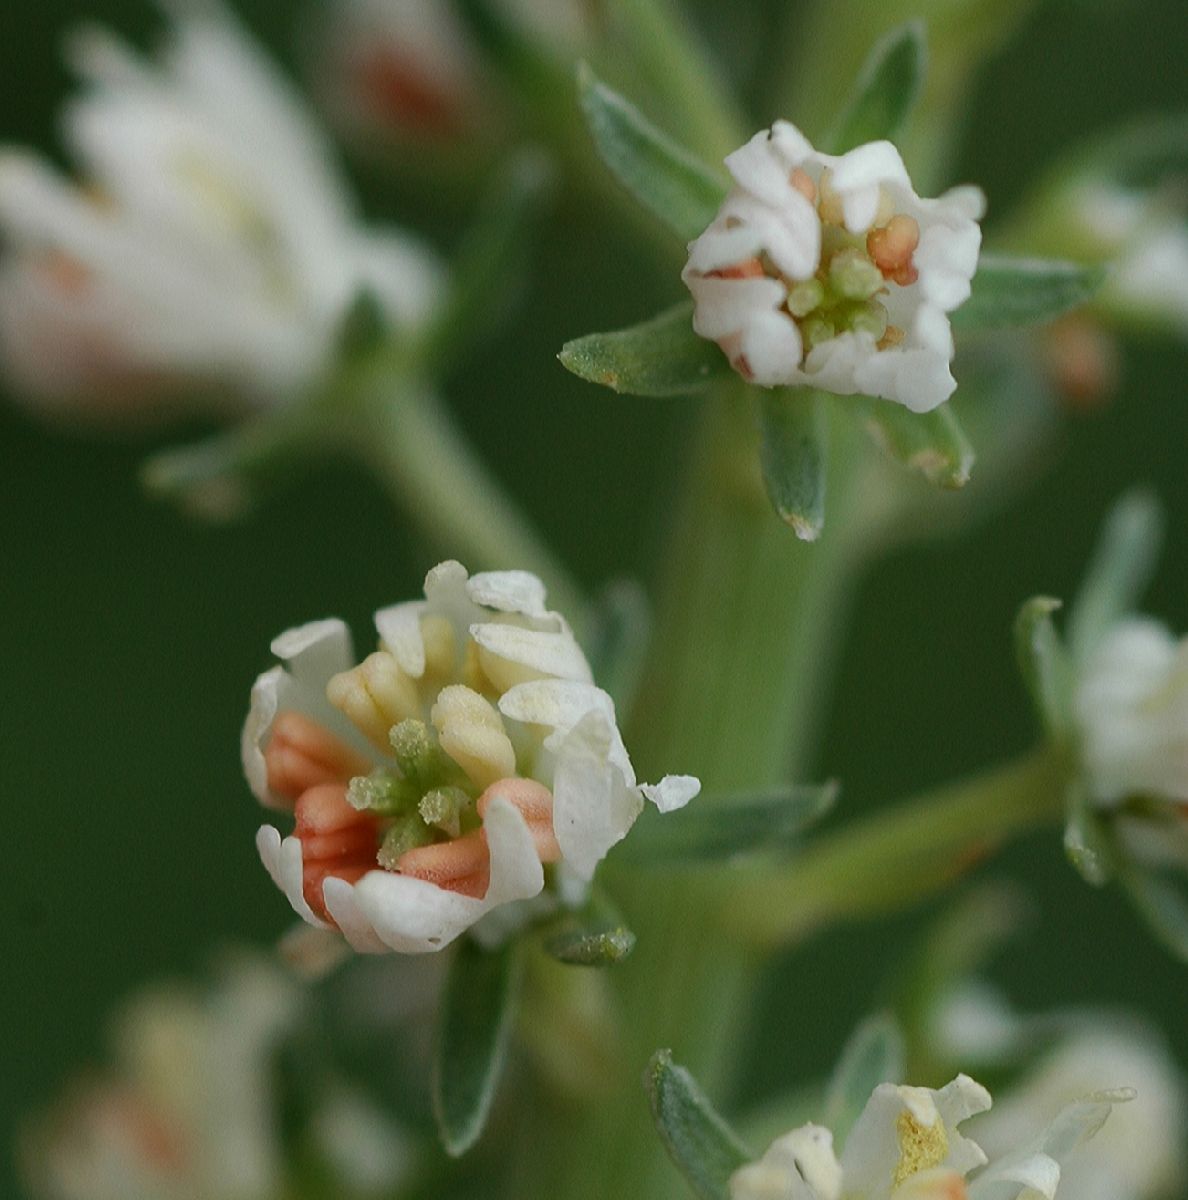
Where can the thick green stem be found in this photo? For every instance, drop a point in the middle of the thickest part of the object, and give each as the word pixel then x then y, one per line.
pixel 731 690
pixel 899 855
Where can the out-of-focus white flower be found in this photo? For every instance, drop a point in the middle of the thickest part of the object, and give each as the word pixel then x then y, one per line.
pixel 1146 240
pixel 432 782
pixel 211 250
pixel 1132 711
pixel 829 271
pixel 906 1145
pixel 410 69
pixel 1140 1152
pixel 189 1113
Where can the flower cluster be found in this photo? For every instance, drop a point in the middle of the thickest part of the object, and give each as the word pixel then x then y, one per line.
pixel 906 1145
pixel 829 271
pixel 211 251
pixel 434 781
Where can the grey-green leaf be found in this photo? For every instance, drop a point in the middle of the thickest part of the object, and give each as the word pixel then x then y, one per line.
pixel 658 357
pixel 662 175
pixel 594 936
pixel 932 443
pixel 1086 839
pixel 704 1147
pixel 474 1022
pixel 793 434
pixel 720 828
pixel 873 1054
pixel 1009 292
pixel 1121 568
pixel 885 91
pixel 1163 905
pixel 1043 661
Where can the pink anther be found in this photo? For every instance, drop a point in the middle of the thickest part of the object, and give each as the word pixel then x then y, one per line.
pixel 891 246
pixel 749 268
pixel 336 841
pixel 301 754
pixel 535 803
pixel 463 865
pixel 802 182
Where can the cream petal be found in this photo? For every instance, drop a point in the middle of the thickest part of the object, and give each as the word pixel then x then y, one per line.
pixel 509 591
pixel 549 653
pixel 557 703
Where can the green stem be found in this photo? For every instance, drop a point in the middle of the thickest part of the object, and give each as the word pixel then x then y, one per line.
pixel 898 856
pixel 743 628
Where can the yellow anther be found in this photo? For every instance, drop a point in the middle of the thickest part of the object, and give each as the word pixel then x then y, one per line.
pixel 471 733
pixel 441 652
pixel 375 695
pixel 829 207
pixel 921 1147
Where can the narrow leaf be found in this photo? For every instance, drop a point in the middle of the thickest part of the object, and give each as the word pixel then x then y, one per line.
pixel 874 1054
pixel 703 1146
pixel 475 1020
pixel 1025 291
pixel 660 357
pixel 718 828
pixel 1043 661
pixel 885 92
pixel 594 936
pixel 1121 568
pixel 1163 906
pixel 616 640
pixel 488 267
pixel 793 429
pixel 1087 841
pixel 662 175
pixel 932 443
pixel 1139 154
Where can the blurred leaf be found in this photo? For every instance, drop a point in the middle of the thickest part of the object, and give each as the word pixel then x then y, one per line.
pixel 594 936
pixel 1043 661
pixel 885 91
pixel 1025 291
pixel 1086 839
pixel 932 443
pixel 1121 568
pixel 873 1054
pixel 1138 154
pixel 364 329
pixel 703 1146
pixel 475 1019
pixel 718 828
pixel 489 265
pixel 616 640
pixel 662 175
pixel 1163 905
pixel 659 357
pixel 793 430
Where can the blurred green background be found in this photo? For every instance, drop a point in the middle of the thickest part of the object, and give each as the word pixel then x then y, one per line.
pixel 131 634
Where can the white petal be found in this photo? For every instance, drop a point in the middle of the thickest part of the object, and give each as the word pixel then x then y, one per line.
pixel 557 703
pixel 509 591
pixel 315 651
pixel 282 860
pixel 556 654
pixel 672 792
pixel 339 896
pixel 399 627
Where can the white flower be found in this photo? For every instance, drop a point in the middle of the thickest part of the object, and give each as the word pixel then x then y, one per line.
pixel 190 1111
pixel 432 782
pixel 1147 241
pixel 1131 705
pixel 829 271
pixel 906 1145
pixel 1140 1152
pixel 211 250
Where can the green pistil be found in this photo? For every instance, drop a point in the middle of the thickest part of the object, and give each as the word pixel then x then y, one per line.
pixel 406 833
pixel 852 275
pixel 382 793
pixel 815 330
pixel 421 760
pixel 804 297
pixel 448 809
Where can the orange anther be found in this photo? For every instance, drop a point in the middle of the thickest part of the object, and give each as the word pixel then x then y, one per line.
pixel 463 865
pixel 891 246
pixel 750 268
pixel 893 337
pixel 302 754
pixel 535 803
pixel 803 183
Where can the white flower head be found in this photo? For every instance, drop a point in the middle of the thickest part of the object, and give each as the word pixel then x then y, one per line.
pixel 829 271
pixel 1131 706
pixel 211 248
pixel 1140 1152
pixel 189 1109
pixel 906 1145
pixel 432 782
